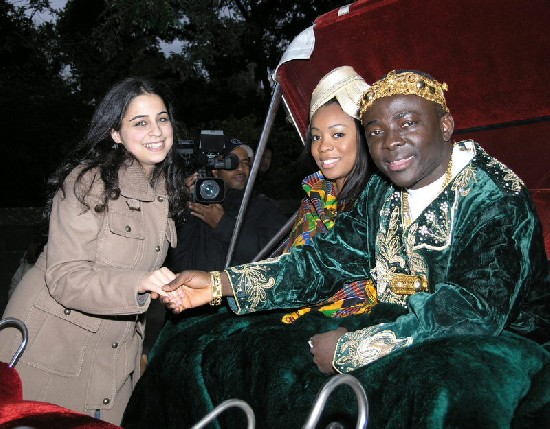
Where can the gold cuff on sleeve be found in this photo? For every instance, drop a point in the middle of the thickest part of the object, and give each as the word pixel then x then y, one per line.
pixel 216 285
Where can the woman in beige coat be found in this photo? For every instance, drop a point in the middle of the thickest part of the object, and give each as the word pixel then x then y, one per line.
pixel 111 220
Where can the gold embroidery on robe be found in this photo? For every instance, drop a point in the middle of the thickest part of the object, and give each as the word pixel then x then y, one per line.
pixel 359 348
pixel 252 280
pixel 433 231
pixel 389 258
pixel 464 180
pixel 397 249
pixel 511 180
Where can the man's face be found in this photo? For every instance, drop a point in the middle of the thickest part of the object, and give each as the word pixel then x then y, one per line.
pixel 236 179
pixel 408 139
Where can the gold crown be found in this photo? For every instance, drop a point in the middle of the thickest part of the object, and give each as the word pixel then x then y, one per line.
pixel 404 83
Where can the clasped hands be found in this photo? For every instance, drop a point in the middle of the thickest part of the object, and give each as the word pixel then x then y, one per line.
pixel 192 289
pixel 189 289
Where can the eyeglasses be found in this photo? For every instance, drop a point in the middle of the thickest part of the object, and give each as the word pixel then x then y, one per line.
pixel 235 142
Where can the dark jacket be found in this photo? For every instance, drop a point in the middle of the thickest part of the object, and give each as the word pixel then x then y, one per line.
pixel 201 247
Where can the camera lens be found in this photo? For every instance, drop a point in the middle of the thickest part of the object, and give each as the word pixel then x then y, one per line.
pixel 209 189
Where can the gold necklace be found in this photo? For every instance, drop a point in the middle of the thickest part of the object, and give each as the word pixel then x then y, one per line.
pixel 405 208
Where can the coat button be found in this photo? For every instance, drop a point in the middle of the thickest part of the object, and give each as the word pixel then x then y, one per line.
pixel 157 248
pixel 128 228
pixel 67 311
pixel 160 198
pixel 114 345
pixel 106 401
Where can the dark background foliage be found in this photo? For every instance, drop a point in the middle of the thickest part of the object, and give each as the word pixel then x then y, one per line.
pixel 53 72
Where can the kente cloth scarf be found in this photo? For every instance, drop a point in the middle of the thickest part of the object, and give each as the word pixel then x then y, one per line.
pixel 317 214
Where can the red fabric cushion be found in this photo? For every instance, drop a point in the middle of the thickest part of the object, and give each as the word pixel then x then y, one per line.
pixel 11 387
pixel 41 415
pixel 15 412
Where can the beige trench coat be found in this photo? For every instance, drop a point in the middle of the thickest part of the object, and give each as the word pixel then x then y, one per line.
pixel 80 301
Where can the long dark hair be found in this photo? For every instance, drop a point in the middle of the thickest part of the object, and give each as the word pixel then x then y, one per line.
pixel 97 150
pixel 359 175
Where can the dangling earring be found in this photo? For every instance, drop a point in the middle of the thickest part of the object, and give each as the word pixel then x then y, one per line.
pixel 115 145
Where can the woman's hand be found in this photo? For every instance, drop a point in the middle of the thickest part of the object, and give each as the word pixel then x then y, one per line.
pixel 323 347
pixel 154 281
pixel 189 289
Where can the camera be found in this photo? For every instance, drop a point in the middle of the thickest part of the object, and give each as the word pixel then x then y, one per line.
pixel 207 156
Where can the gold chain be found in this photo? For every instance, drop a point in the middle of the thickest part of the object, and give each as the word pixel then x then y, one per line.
pixel 406 211
pixel 405 207
pixel 448 173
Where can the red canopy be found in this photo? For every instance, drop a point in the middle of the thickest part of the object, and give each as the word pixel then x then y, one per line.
pixel 493 54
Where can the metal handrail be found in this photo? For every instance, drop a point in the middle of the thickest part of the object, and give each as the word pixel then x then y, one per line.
pixel 251 419
pixel 278 240
pixel 362 402
pixel 11 321
pixel 271 114
pixel 315 414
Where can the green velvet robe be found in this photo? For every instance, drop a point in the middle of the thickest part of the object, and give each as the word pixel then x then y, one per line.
pixel 478 246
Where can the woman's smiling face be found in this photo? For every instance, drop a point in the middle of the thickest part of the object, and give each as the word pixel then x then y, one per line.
pixel 146 131
pixel 334 142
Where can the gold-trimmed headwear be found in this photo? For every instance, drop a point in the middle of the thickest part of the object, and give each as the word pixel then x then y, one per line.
pixel 404 83
pixel 345 85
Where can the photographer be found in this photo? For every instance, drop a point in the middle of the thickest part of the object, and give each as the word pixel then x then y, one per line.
pixel 204 240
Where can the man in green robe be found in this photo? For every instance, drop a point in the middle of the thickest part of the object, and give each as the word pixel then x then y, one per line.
pixel 444 230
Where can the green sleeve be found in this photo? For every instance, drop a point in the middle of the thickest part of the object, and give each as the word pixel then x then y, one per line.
pixel 308 274
pixel 494 259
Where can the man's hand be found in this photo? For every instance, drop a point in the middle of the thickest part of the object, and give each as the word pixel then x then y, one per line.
pixel 323 346
pixel 210 214
pixel 188 290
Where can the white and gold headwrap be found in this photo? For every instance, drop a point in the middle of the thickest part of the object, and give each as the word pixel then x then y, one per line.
pixel 345 85
pixel 404 83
